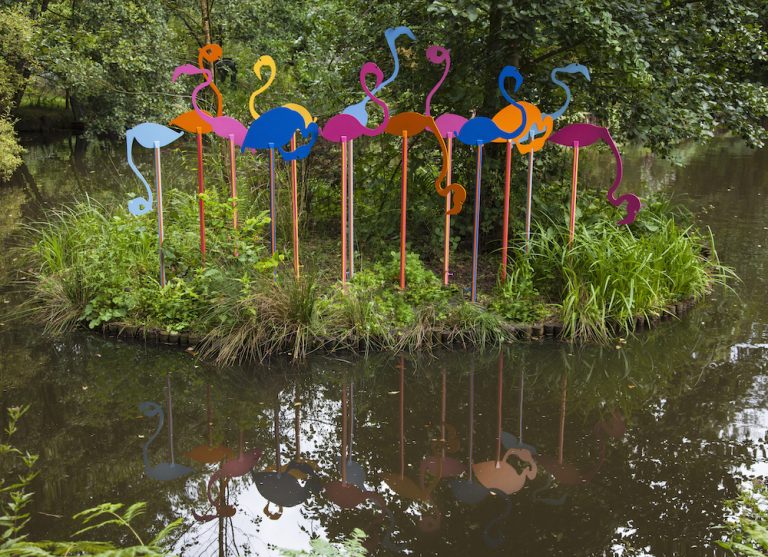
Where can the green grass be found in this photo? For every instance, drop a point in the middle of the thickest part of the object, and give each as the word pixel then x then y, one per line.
pixel 89 265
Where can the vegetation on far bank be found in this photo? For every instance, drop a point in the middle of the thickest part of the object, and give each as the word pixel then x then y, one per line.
pixel 89 265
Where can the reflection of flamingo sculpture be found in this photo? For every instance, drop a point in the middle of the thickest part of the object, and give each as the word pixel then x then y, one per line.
pixel 358 110
pixel 230 469
pixel 408 124
pixel 403 485
pixel 499 473
pixel 165 470
pixel 344 127
pixel 210 454
pixel 150 136
pixel 438 465
pixel 481 130
pixel 583 135
pixel 540 126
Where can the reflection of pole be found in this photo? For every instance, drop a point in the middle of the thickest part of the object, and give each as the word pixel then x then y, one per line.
pixel 574 180
pixel 200 192
pixel 234 186
pixel 522 384
pixel 344 169
pixel 500 399
pixel 277 434
pixel 160 225
pixel 297 418
pixel 170 416
pixel 505 224
pixel 351 210
pixel 344 435
pixel 272 208
pixel 403 202
pixel 447 239
pixel 476 235
pixel 295 207
pixel 562 419
pixel 402 416
pixel 210 417
pixel 471 416
pixel 442 417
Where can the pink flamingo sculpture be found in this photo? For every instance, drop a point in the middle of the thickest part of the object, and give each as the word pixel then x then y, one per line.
pixel 358 110
pixel 223 126
pixel 191 122
pixel 583 135
pixel 342 128
pixel 408 124
pixel 228 470
pixel 448 126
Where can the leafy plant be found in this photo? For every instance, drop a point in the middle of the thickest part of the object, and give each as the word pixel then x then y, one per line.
pixel 747 527
pixel 351 547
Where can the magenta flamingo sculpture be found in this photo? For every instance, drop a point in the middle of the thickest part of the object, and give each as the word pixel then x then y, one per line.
pixel 342 128
pixel 448 126
pixel 583 135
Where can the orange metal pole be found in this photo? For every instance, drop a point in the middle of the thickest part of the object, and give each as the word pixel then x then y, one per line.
pixel 403 204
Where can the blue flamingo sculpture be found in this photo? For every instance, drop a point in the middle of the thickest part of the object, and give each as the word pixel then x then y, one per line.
pixel 570 69
pixel 150 136
pixel 275 128
pixel 165 470
pixel 479 131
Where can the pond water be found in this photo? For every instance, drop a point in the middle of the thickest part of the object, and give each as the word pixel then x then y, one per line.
pixel 615 450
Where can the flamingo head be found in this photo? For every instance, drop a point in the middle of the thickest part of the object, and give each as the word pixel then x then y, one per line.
pixel 370 68
pixel 574 68
pixel 149 408
pixel 394 32
pixel 265 61
pixel 514 73
pixel 438 54
pixel 210 53
pixel 189 69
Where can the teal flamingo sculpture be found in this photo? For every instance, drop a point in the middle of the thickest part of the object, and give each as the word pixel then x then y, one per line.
pixel 163 471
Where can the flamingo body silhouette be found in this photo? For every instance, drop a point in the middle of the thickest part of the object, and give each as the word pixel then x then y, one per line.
pixel 481 130
pixel 358 110
pixel 147 135
pixel 587 134
pixel 164 471
pixel 228 470
pixel 190 121
pixel 275 128
pixel 223 126
pixel 344 127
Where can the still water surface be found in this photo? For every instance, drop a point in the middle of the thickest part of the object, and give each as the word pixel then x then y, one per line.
pixel 618 450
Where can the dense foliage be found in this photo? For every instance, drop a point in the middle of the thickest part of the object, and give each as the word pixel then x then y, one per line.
pixel 747 527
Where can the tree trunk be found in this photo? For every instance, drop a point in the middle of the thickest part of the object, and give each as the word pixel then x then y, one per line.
pixel 493 48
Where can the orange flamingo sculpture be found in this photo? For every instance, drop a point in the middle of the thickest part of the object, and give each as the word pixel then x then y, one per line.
pixel 408 124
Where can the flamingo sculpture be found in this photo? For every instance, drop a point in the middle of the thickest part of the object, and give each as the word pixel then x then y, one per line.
pixel 274 129
pixel 479 131
pixel 191 122
pixel 224 126
pixel 408 124
pixel 233 468
pixel 343 127
pixel 583 135
pixel 359 111
pixel 539 129
pixel 150 136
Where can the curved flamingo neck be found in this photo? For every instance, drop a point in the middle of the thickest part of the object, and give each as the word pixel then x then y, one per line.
pixel 380 128
pixel 151 439
pixel 211 84
pixel 267 62
pixel 437 86
pixel 196 91
pixel 395 70
pixel 560 111
pixel 130 138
